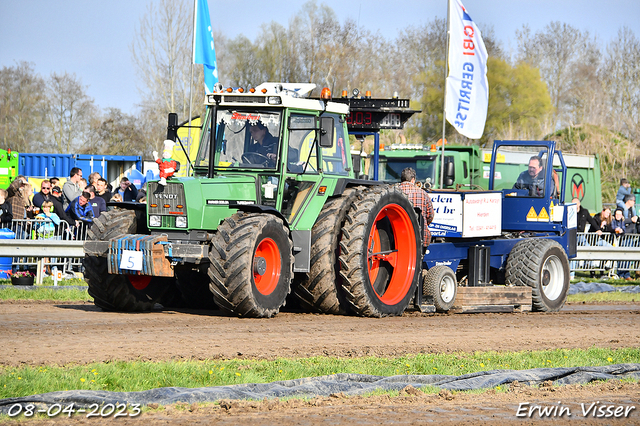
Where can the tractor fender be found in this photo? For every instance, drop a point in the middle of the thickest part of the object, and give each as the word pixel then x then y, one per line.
pixel 258 208
pixel 345 183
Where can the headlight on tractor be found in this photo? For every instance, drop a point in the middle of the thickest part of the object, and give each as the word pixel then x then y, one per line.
pixel 181 222
pixel 154 220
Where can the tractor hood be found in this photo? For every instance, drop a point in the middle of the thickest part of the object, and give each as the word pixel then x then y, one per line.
pixel 209 201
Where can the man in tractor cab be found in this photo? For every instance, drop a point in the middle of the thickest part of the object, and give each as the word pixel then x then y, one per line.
pixel 532 178
pixel 266 145
pixel 420 199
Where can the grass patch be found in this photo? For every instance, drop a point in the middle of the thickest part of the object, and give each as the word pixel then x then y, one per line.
pixel 610 296
pixel 45 293
pixel 137 376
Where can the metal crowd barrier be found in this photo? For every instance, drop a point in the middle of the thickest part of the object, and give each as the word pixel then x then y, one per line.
pixel 607 253
pixel 45 245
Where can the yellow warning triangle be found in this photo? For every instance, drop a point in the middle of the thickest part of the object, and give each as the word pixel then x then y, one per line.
pixel 532 214
pixel 543 216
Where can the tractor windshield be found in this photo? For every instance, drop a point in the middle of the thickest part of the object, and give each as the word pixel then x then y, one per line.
pixel 390 168
pixel 244 139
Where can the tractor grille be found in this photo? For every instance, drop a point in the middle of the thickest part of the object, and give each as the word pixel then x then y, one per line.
pixel 168 200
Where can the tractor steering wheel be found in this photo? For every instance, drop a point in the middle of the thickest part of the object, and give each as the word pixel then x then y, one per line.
pixel 255 158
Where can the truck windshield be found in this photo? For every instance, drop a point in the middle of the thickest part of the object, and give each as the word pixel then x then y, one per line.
pixel 245 139
pixel 390 169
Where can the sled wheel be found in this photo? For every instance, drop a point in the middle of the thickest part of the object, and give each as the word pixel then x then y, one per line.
pixel 126 293
pixel 320 290
pixel 251 265
pixel 542 264
pixel 441 286
pixel 380 252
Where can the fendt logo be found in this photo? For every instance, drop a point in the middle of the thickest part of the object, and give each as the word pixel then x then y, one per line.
pixel 577 186
pixel 167 196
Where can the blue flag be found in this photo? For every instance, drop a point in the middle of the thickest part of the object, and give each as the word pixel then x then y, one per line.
pixel 204 52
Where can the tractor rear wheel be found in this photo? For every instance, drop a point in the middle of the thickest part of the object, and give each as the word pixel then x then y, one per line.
pixel 542 264
pixel 320 291
pixel 380 252
pixel 126 293
pixel 251 265
pixel 441 286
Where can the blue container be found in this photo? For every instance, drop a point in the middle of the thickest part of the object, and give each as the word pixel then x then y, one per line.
pixel 5 262
pixel 111 167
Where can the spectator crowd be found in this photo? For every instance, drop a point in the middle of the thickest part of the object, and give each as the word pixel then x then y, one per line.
pixel 77 202
pixel 622 222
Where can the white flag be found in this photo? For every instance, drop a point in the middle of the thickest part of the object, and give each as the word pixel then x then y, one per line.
pixel 467 87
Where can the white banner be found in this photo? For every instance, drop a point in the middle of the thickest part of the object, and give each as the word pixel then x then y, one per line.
pixel 467 90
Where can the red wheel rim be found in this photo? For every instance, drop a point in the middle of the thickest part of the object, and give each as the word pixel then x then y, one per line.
pixel 266 266
pixel 139 282
pixel 402 258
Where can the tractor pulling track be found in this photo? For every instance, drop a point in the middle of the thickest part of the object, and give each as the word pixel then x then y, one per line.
pixel 44 333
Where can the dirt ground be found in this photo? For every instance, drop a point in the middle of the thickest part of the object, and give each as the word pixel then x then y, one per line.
pixel 39 333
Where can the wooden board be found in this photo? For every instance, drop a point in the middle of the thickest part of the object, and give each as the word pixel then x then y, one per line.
pixel 492 299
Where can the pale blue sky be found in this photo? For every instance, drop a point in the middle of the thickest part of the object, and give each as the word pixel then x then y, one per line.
pixel 91 38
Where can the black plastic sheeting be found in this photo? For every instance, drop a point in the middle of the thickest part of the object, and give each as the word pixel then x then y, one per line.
pixel 583 287
pixel 349 384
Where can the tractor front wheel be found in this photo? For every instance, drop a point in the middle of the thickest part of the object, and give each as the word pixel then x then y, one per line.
pixel 251 265
pixel 125 293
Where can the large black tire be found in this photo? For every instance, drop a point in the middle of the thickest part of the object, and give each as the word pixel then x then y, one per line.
pixel 380 252
pixel 320 291
pixel 119 292
pixel 251 265
pixel 542 264
pixel 441 287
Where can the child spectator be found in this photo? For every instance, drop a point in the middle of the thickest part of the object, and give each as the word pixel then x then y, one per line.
pixel 50 220
pixel 624 190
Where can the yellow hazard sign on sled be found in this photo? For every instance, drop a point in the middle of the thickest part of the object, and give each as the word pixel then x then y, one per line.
pixel 532 216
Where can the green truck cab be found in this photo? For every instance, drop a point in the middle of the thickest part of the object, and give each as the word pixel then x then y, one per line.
pixel 467 167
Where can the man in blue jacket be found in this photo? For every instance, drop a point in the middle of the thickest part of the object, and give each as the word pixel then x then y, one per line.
pixel 81 211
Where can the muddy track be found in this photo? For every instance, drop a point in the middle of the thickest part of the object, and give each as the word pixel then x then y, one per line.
pixel 38 333
pixel 59 333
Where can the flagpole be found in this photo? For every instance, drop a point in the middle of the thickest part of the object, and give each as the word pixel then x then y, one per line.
pixel 193 48
pixel 444 109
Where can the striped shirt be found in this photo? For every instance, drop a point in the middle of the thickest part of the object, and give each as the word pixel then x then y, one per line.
pixel 420 199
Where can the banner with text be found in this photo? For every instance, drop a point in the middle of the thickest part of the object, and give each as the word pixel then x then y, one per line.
pixel 467 92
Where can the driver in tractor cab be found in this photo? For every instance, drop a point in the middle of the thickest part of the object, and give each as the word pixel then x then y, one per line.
pixel 532 178
pixel 265 144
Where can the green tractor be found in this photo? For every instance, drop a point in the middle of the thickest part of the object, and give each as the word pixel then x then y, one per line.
pixel 272 207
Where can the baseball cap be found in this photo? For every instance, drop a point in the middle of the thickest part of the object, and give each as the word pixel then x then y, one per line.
pixel 56 190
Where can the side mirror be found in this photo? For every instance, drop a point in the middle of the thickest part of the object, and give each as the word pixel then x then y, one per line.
pixel 449 173
pixel 326 132
pixel 355 160
pixel 172 126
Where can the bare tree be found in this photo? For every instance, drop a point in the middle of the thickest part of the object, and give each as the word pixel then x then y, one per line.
pixel 116 133
pixel 161 51
pixel 21 107
pixel 69 113
pixel 621 72
pixel 557 51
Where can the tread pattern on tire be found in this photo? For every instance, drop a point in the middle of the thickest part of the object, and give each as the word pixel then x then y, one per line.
pixel 112 292
pixel 355 235
pixel 523 269
pixel 320 291
pixel 231 263
pixel 431 287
